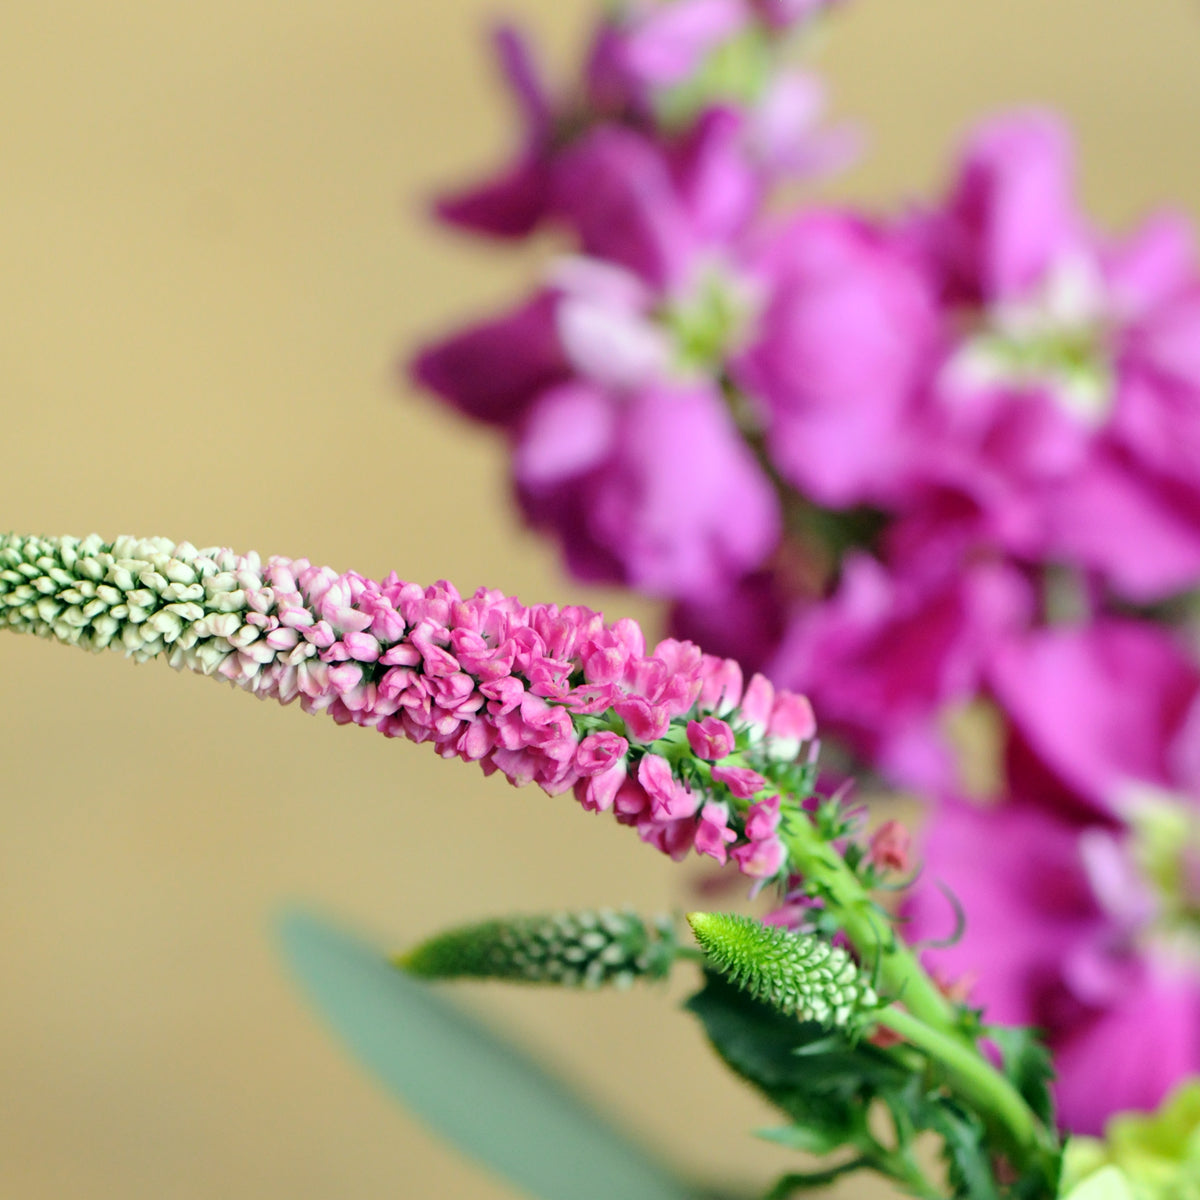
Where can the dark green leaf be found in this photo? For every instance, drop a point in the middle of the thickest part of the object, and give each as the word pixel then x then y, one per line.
pixel 477 1091
pixel 968 1160
pixel 806 1181
pixel 803 1138
pixel 822 1080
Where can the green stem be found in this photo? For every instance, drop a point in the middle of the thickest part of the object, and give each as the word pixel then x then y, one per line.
pixel 929 1024
pixel 973 1078
pixel 899 971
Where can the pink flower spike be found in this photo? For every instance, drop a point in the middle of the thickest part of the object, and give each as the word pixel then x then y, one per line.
pixel 465 676
pixel 741 781
pixel 710 738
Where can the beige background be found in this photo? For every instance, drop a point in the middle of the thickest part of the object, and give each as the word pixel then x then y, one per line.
pixel 211 253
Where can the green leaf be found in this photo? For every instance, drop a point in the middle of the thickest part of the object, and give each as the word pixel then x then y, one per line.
pixel 804 1138
pixel 807 1181
pixel 964 1145
pixel 823 1081
pixel 477 1091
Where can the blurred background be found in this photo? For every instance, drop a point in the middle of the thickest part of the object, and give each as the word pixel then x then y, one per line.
pixel 212 254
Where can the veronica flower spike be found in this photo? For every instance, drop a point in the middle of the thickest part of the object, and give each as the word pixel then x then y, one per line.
pixel 671 741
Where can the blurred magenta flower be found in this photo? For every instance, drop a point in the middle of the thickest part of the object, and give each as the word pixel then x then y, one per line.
pixel 624 446
pixel 1070 355
pixel 1107 706
pixel 839 356
pixel 661 70
pixel 649 486
pixel 887 653
pixel 904 464
pixel 513 202
pixel 1084 929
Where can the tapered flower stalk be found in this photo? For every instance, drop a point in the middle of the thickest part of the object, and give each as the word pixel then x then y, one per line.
pixel 803 975
pixel 671 740
pixel 579 949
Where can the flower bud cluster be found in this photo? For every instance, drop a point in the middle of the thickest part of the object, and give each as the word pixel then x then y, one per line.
pixel 585 949
pixel 798 974
pixel 671 741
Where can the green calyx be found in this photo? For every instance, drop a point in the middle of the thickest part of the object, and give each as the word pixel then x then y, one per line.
pixel 798 974
pixel 587 949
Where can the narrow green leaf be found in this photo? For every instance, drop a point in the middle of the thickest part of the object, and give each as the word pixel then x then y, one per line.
pixel 478 1092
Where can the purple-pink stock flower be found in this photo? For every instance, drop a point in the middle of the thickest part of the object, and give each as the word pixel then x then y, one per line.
pixel 838 357
pixel 647 486
pixel 887 653
pixel 513 202
pixel 640 59
pixel 491 371
pixel 783 14
pixel 631 202
pixel 1070 357
pixel 623 445
pixel 1107 707
pixel 663 44
pixel 1080 929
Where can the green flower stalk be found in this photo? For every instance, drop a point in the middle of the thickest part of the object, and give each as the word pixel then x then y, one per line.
pixel 799 974
pixel 588 949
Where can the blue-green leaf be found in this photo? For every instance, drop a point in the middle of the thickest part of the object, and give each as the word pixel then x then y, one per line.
pixel 477 1091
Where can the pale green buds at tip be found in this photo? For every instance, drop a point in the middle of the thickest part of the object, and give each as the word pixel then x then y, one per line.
pixel 797 973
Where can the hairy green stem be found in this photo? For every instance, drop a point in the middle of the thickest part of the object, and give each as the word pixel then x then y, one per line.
pixel 928 1024
pixel 901 975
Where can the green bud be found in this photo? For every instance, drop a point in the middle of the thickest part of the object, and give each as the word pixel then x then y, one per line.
pixel 584 949
pixel 797 973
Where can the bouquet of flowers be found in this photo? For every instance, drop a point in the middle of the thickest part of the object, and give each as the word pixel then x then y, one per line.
pixel 921 491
